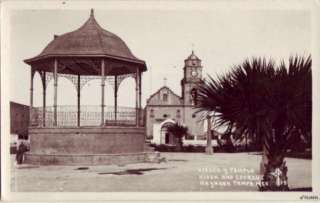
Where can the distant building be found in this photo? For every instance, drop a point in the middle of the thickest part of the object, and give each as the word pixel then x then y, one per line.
pixel 165 107
pixel 19 119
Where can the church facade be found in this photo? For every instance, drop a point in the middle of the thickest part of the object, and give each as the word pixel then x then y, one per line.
pixel 165 108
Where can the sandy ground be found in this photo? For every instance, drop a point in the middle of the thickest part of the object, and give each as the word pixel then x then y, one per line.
pixel 181 172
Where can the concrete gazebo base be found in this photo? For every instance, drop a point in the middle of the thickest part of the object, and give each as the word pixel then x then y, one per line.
pixel 88 146
pixel 92 159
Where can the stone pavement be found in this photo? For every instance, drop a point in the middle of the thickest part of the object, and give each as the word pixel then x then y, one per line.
pixel 182 172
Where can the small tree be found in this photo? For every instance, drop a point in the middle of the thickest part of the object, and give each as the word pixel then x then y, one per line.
pixel 178 131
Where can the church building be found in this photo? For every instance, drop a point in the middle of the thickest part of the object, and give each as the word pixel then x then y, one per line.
pixel 165 108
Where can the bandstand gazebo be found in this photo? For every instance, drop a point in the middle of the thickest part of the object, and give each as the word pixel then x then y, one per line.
pixel 62 135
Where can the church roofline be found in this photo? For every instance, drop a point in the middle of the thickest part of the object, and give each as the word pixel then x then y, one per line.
pixel 161 88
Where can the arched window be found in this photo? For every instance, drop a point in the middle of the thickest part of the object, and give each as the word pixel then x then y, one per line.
pixel 194 63
pixel 194 95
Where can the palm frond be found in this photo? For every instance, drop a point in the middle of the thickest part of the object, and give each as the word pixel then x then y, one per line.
pixel 261 99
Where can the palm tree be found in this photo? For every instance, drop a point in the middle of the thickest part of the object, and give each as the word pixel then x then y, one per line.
pixel 267 103
pixel 178 131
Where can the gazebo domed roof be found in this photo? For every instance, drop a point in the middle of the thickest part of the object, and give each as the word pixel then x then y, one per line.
pixel 90 40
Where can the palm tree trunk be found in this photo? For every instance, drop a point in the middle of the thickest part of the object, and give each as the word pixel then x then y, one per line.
pixel 273 167
pixel 275 176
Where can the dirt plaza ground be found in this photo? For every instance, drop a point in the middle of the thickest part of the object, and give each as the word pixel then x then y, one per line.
pixel 181 172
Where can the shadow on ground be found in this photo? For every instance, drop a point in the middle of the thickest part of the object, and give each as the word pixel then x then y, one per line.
pixel 26 166
pixel 178 160
pixel 139 171
pixel 82 168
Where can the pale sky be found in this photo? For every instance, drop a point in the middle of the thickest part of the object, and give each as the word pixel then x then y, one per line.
pixel 163 38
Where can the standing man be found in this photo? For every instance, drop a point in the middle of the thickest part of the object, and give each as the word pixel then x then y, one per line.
pixel 22 148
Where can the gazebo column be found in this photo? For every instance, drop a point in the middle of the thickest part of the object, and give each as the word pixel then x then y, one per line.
pixel 140 91
pixel 140 116
pixel 44 93
pixel 102 90
pixel 55 96
pixel 137 97
pixel 115 97
pixel 31 96
pixel 78 101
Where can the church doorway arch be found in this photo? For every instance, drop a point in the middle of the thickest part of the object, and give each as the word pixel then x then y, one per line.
pixel 166 137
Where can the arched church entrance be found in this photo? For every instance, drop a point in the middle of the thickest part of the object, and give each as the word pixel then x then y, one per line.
pixel 166 137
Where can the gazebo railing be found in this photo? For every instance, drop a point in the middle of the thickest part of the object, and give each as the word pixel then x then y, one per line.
pixel 89 116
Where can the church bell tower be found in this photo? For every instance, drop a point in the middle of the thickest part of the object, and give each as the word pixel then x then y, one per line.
pixel 191 79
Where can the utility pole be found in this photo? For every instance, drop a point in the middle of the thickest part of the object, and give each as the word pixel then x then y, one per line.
pixel 209 149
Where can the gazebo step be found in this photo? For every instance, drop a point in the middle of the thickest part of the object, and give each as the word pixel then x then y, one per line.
pixel 91 159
